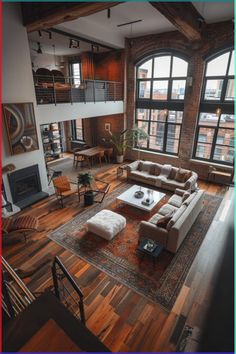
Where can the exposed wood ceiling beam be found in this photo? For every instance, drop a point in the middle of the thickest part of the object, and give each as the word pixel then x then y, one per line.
pixel 184 16
pixel 38 16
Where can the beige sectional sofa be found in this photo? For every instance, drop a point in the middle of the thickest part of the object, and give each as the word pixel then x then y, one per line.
pixel 184 209
pixel 163 176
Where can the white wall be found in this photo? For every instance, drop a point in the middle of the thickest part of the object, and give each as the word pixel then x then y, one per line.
pixel 17 86
pixel 64 111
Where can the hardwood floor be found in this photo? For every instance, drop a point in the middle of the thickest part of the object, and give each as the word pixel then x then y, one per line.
pixel 122 319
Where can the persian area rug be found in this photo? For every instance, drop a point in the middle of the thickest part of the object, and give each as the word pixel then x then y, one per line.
pixel 118 258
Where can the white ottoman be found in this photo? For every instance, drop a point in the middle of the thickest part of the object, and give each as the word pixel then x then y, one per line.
pixel 106 224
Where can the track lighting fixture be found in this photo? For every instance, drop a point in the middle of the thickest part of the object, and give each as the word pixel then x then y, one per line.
pixel 108 13
pixel 74 43
pixel 40 34
pixel 94 47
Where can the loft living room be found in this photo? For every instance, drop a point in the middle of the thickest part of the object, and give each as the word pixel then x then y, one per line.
pixel 122 235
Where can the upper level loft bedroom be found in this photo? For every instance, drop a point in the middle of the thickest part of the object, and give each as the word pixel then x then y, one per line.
pixel 68 68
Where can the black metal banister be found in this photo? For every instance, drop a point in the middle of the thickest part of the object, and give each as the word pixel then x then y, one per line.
pixel 57 263
pixel 71 89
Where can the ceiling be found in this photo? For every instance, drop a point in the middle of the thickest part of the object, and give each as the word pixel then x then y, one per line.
pixel 98 27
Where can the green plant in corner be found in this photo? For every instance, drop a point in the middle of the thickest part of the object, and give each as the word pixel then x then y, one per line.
pixel 126 139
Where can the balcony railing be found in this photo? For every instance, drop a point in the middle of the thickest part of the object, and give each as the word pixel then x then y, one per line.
pixel 53 89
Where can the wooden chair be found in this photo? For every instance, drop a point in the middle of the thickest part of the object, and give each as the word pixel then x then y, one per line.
pixel 21 224
pixel 64 188
pixel 101 155
pixel 99 189
pixel 77 157
pixel 108 154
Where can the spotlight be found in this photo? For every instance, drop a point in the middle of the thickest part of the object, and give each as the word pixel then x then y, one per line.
pixel 50 35
pixel 74 43
pixel 40 34
pixel 108 13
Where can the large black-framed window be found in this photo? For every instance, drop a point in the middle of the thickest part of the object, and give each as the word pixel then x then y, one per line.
pixel 160 91
pixel 77 128
pixel 214 138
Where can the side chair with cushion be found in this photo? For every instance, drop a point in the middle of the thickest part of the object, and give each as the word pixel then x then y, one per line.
pixel 64 188
pixel 21 224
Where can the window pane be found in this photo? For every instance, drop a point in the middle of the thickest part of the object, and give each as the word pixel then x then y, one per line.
pixel 178 89
pixel 180 67
pixel 172 146
pixel 158 115
pixel 203 151
pixel 160 89
pixel 173 131
pixel 213 89
pixel 231 67
pixel 206 135
pixel 156 136
pixel 162 66
pixel 229 96
pixel 144 89
pixel 143 114
pixel 224 153
pixel 145 70
pixel 227 120
pixel 143 125
pixel 175 116
pixel 208 119
pixel 218 66
pixel 225 137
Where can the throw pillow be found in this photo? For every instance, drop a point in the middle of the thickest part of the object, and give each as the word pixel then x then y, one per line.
pixel 172 173
pixel 181 175
pixel 152 169
pixel 162 222
pixel 140 165
pixel 188 175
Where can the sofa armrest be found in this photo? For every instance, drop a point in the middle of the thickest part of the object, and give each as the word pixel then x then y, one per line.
pixel 191 181
pixel 132 166
pixel 149 230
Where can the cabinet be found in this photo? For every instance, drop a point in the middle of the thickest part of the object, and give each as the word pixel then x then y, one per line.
pixel 52 138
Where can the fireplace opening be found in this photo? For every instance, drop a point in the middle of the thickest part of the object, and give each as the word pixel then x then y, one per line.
pixel 26 186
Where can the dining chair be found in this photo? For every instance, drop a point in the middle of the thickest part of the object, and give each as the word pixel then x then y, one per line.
pixel 108 154
pixel 100 155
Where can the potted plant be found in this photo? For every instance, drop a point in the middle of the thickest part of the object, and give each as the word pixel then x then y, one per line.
pixel 125 139
pixel 85 179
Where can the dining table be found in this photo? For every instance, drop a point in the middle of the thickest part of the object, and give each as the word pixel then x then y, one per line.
pixel 89 154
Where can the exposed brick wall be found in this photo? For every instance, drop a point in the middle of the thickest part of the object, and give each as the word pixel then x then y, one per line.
pixel 216 37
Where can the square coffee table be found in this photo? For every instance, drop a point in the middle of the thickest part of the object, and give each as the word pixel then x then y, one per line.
pixel 129 198
pixel 154 254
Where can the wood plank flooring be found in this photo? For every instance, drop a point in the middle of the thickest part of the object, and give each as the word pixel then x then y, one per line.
pixel 122 319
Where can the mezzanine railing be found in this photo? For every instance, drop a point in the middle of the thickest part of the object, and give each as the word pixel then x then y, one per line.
pixel 57 89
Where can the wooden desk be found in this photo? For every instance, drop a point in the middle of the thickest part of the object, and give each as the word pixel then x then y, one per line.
pixel 46 325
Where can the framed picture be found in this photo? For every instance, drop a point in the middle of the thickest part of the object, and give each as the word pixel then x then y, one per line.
pixel 108 127
pixel 21 127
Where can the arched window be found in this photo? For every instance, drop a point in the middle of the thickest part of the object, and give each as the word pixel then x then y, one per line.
pixel 160 91
pixel 215 129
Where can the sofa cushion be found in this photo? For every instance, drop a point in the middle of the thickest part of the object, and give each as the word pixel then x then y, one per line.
pixel 167 209
pixel 176 200
pixel 189 199
pixel 154 219
pixel 176 216
pixel 185 196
